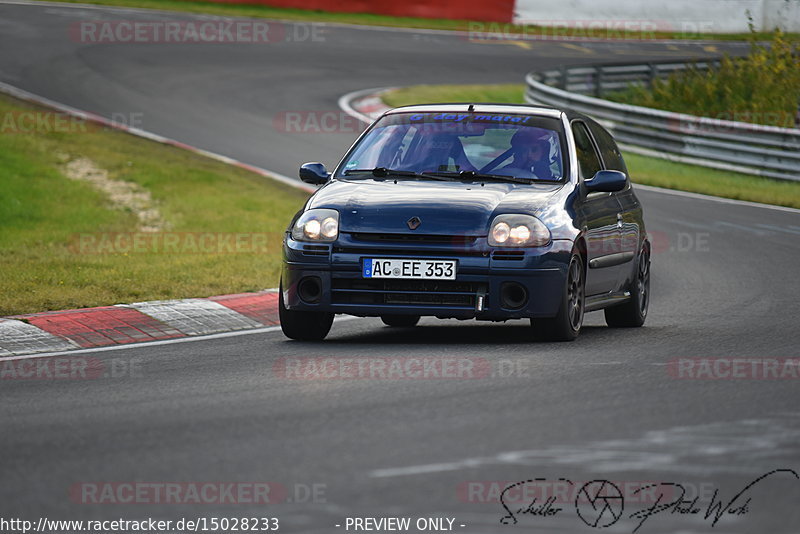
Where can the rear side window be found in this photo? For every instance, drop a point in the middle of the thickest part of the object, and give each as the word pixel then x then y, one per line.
pixel 588 162
pixel 608 149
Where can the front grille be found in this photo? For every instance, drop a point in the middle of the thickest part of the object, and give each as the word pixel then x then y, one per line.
pixel 512 255
pixel 451 293
pixel 457 240
pixel 420 252
pixel 316 250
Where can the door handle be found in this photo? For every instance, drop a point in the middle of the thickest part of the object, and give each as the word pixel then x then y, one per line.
pixel 619 220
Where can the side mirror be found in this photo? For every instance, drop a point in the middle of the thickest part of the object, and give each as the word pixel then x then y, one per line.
pixel 606 182
pixel 314 173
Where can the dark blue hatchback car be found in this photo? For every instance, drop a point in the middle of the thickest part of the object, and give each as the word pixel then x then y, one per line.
pixel 491 212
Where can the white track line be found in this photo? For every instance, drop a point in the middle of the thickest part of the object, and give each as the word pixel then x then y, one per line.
pixel 700 196
pixel 345 104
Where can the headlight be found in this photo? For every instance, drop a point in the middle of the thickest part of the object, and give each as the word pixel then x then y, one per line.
pixel 518 231
pixel 317 225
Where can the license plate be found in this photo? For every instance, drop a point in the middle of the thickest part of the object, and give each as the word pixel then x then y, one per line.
pixel 403 268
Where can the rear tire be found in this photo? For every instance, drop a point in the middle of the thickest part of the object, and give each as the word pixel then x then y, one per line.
pixel 566 325
pixel 303 325
pixel 400 321
pixel 632 313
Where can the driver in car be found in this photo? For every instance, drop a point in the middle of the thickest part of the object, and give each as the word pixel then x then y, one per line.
pixel 531 156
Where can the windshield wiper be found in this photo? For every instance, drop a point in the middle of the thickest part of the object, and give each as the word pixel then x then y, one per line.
pixel 472 175
pixel 383 172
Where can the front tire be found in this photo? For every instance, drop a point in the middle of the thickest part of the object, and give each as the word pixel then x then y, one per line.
pixel 632 313
pixel 303 325
pixel 566 325
pixel 400 321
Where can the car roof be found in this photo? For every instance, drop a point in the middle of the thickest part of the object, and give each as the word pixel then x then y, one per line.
pixel 480 108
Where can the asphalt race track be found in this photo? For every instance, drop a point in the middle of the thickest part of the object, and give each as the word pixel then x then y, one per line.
pixel 607 406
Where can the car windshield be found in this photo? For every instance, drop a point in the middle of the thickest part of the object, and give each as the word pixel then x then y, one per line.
pixel 469 145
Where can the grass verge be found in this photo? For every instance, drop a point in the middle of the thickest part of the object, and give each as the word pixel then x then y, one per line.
pixel 60 242
pixel 644 170
pixel 304 15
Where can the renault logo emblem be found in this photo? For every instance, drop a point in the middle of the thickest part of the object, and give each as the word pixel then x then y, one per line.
pixel 414 222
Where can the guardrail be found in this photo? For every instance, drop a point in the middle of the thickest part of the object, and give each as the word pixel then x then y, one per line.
pixel 768 151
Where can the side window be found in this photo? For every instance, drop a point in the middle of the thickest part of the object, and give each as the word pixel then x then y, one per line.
pixel 608 149
pixel 588 162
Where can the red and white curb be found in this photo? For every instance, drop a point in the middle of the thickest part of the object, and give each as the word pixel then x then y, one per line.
pixel 158 321
pixel 365 105
pixel 109 326
pixel 196 317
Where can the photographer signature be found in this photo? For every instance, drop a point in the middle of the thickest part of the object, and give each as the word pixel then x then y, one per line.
pixel 600 503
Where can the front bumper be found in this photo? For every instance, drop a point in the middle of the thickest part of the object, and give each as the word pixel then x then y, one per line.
pixel 484 276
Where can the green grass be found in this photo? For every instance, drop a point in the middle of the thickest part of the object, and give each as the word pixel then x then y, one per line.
pixel 435 94
pixel 662 173
pixel 528 31
pixel 644 170
pixel 43 213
